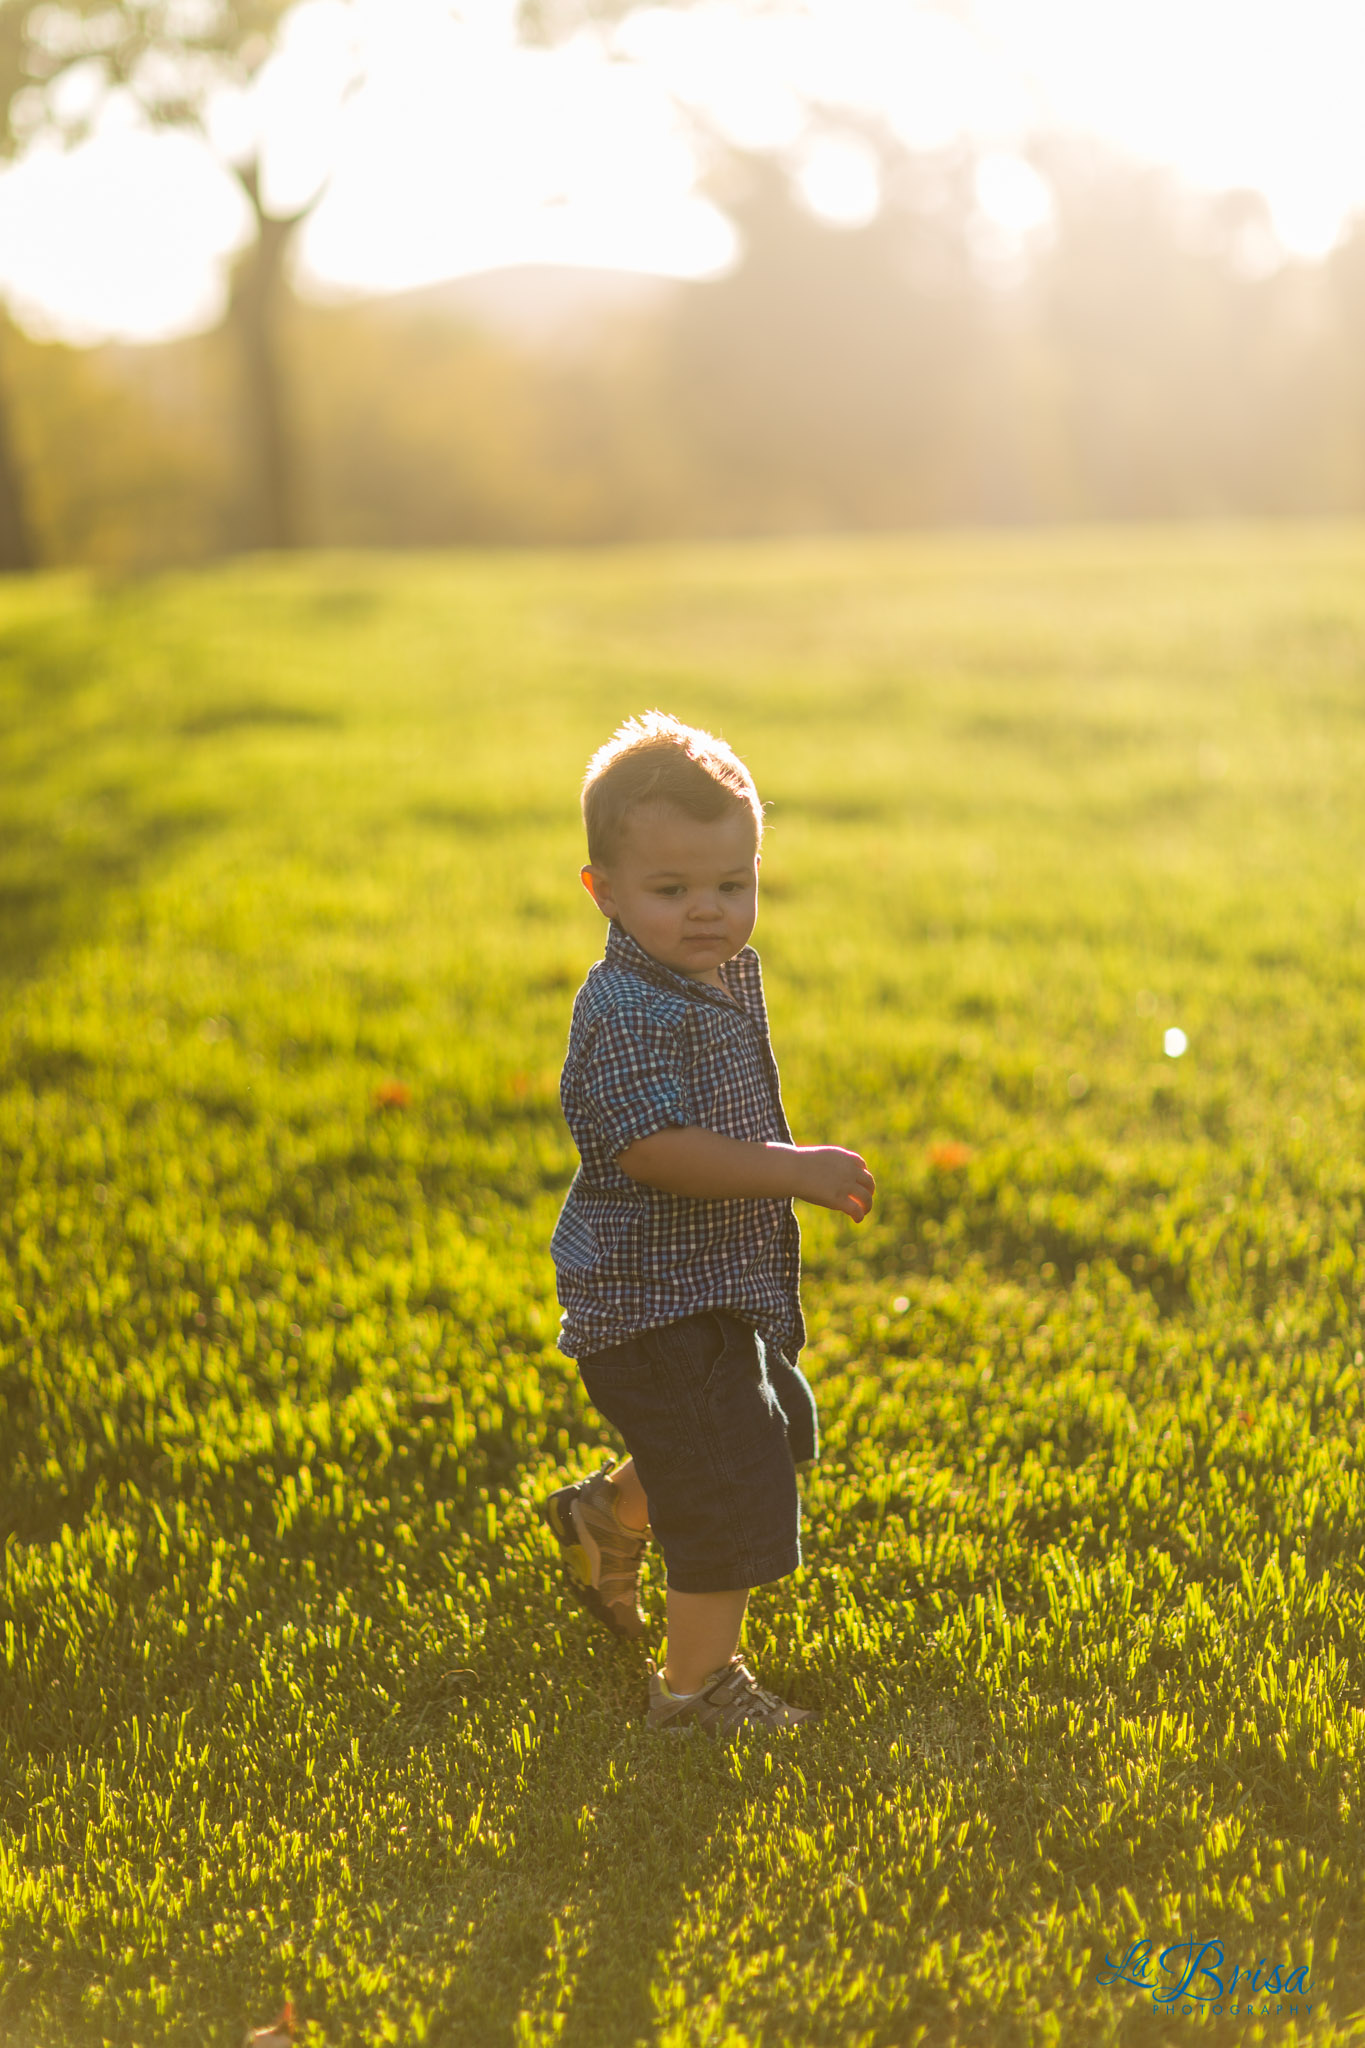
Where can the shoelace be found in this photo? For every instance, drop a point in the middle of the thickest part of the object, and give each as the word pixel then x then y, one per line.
pixel 749 1697
pixel 763 1701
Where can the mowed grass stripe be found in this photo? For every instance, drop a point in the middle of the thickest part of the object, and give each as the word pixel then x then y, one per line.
pixel 291 1698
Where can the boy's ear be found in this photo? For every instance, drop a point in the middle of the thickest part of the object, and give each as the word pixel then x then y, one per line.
pixel 594 880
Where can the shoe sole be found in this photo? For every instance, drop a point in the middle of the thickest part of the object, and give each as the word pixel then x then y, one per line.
pixel 582 1559
pixel 677 1725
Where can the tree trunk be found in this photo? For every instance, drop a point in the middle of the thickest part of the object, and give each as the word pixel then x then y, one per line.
pixel 16 539
pixel 257 287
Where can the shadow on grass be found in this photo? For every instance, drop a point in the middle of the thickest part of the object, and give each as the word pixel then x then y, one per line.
pixel 76 826
pixel 616 1830
pixel 971 1224
pixel 107 1454
pixel 56 883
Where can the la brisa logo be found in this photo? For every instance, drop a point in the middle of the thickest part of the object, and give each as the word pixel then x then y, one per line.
pixel 1197 1976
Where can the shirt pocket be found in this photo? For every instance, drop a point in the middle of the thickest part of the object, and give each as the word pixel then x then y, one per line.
pixel 736 1097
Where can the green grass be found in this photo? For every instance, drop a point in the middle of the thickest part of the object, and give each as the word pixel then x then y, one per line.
pixel 291 1699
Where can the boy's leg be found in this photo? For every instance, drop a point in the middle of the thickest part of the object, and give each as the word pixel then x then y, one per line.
pixel 632 1508
pixel 705 1683
pixel 703 1636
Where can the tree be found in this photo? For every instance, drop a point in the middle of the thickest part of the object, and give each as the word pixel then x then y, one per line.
pixel 832 378
pixel 1346 300
pixel 16 541
pixel 175 60
pixel 1175 328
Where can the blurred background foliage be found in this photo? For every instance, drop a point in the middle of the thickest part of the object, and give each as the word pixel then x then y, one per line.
pixel 1150 353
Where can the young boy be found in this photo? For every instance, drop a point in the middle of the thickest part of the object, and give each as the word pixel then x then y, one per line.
pixel 677 1251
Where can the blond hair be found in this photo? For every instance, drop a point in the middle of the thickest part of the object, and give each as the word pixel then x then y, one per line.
pixel 657 759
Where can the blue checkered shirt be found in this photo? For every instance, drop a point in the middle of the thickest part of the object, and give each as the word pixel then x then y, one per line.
pixel 649 1048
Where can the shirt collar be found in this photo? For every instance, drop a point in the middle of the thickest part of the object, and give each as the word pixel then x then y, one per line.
pixel 626 953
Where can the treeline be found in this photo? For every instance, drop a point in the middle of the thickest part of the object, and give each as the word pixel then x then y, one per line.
pixel 1150 355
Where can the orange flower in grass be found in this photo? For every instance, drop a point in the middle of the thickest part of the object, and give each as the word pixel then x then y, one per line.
pixel 279 2034
pixel 392 1095
pixel 948 1154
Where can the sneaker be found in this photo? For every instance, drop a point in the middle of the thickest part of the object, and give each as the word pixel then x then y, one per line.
pixel 729 1700
pixel 601 1556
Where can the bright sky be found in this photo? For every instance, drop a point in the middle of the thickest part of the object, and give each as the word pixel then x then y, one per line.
pixel 461 151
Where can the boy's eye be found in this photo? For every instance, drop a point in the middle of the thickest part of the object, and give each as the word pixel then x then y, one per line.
pixel 670 889
pixel 734 888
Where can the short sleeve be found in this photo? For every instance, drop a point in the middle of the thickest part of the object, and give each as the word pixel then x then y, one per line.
pixel 632 1079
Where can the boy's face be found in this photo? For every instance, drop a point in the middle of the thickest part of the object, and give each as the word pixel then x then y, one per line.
pixel 686 891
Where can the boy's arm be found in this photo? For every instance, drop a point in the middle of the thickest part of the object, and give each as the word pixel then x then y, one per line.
pixel 686 1160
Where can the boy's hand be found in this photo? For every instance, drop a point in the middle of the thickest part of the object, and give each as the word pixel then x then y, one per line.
pixel 835 1179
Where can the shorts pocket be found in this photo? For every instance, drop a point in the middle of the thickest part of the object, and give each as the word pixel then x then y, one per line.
pixel 641 1403
pixel 737 1401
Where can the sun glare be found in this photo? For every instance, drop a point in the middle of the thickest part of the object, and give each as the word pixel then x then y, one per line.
pixel 1012 193
pixel 840 183
pixel 461 151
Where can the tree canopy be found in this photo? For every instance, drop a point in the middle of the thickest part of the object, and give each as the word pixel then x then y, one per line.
pixel 59 62
pixel 63 61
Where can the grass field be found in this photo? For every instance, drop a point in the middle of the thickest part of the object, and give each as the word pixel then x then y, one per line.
pixel 291 1699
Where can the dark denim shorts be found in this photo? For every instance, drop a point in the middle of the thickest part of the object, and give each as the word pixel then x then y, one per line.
pixel 716 1423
